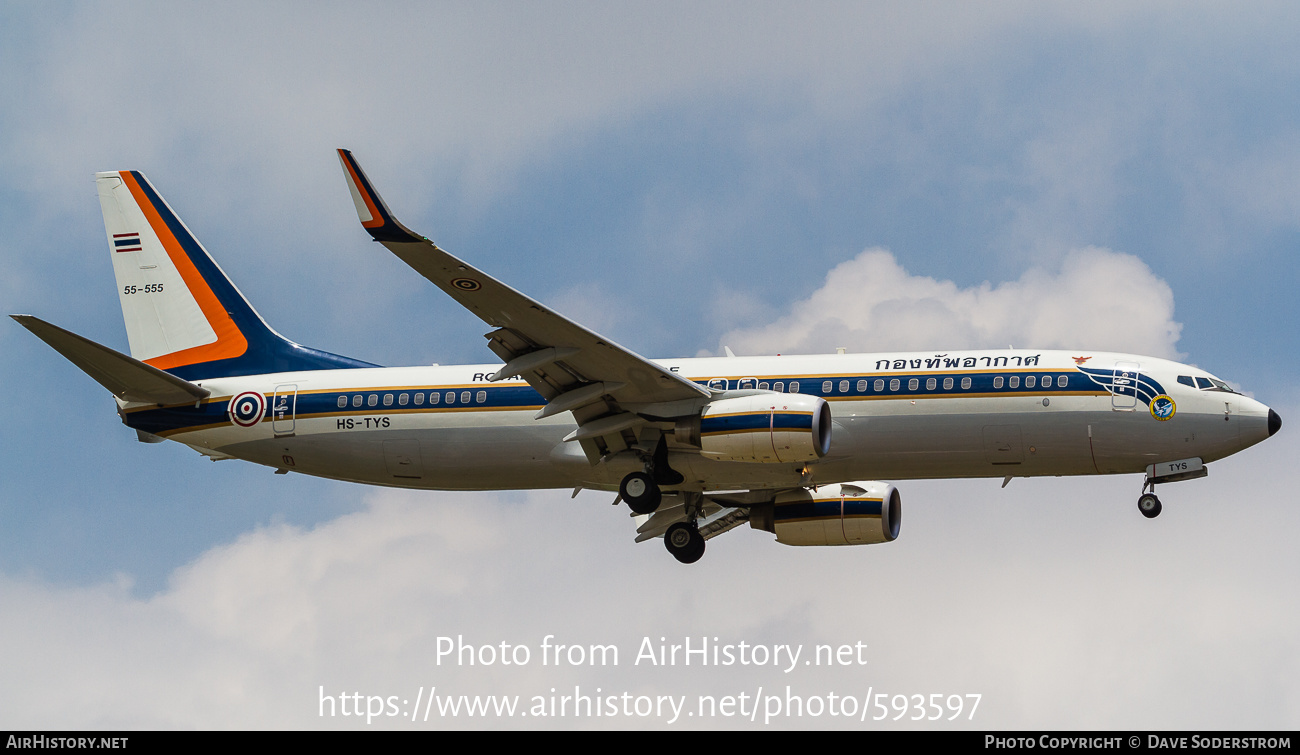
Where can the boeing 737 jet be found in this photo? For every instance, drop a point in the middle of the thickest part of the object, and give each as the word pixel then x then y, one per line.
pixel 794 445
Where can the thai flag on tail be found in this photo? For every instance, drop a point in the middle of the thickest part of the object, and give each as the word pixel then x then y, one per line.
pixel 126 242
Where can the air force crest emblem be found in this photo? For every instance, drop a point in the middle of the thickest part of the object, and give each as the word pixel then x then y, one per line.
pixel 1163 407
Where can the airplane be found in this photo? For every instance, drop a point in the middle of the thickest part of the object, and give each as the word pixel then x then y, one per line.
pixel 797 446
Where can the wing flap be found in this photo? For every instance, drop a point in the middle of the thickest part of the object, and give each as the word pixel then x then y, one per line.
pixel 715 518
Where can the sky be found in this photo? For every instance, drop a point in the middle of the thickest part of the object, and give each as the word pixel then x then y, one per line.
pixel 681 177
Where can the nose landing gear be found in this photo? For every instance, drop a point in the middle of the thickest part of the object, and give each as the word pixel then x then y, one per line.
pixel 1167 471
pixel 1149 505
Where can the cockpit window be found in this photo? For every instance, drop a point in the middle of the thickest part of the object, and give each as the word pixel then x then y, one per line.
pixel 1186 380
pixel 1210 384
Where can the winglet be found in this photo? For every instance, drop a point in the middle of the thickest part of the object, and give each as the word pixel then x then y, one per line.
pixel 372 211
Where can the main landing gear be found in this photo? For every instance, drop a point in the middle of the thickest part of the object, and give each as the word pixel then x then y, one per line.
pixel 641 489
pixel 641 493
pixel 683 539
pixel 685 542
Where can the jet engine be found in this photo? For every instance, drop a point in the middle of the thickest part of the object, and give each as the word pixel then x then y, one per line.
pixel 851 513
pixel 770 428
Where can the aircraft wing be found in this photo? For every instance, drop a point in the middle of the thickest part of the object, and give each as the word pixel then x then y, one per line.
pixel 575 369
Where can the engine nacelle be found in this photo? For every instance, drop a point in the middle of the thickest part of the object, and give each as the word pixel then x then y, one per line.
pixel 851 513
pixel 770 428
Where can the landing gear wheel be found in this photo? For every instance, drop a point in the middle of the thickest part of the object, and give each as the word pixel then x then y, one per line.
pixel 1149 505
pixel 641 493
pixel 685 542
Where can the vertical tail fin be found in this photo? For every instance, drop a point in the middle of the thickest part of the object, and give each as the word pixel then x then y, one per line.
pixel 182 313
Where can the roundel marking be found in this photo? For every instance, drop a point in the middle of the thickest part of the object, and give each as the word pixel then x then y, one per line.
pixel 247 409
pixel 466 284
pixel 1163 407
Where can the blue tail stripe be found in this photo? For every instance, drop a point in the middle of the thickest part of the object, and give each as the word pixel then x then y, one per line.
pixel 267 350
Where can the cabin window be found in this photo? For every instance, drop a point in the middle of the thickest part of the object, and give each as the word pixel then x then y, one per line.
pixel 1013 381
pixel 844 386
pixel 794 386
pixel 947 384
pixel 997 382
pixel 762 386
pixel 356 400
pixel 419 398
pixel 343 401
pixel 464 397
pixel 893 384
pixel 913 384
pixel 1062 381
pixel 1030 381
pixel 826 387
pixel 780 387
pixel 434 396
pixel 747 384
pixel 862 386
pixel 388 399
pixel 931 384
pixel 373 400
pixel 481 396
pixel 451 397
pixel 403 399
pixel 718 384
pixel 879 386
pixel 965 383
pixel 1186 380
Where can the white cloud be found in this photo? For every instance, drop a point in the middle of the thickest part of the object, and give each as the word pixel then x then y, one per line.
pixel 1054 599
pixel 1098 300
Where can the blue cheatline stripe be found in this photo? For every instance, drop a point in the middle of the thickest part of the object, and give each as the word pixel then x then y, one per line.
pixel 755 422
pixel 267 351
pixel 519 397
pixel 827 509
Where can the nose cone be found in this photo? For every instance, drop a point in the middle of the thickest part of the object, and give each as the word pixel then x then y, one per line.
pixel 1274 422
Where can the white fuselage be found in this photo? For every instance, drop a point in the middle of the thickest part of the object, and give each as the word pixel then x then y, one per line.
pixel 365 425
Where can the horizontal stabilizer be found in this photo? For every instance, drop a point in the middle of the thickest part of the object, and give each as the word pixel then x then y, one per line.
pixel 127 378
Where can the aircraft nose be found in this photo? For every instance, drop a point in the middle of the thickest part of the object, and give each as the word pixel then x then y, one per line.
pixel 1274 422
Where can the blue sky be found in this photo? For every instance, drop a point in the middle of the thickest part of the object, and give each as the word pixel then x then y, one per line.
pixel 671 175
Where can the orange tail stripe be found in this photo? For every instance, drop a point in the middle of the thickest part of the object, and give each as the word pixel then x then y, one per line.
pixel 230 341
